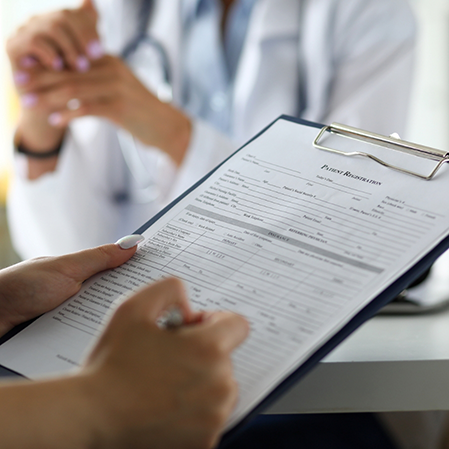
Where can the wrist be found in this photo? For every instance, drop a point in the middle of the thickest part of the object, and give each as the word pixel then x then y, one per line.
pixel 41 153
pixel 170 130
pixel 36 135
pixel 65 421
pixel 180 138
pixel 176 132
pixel 72 413
pixel 100 430
pixel 44 154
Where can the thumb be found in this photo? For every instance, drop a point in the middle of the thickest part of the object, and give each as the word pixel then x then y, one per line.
pixel 88 4
pixel 84 264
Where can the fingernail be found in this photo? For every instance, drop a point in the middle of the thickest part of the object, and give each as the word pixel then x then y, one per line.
pixel 130 241
pixel 82 64
pixel 55 119
pixel 27 62
pixel 95 49
pixel 21 78
pixel 58 64
pixel 28 100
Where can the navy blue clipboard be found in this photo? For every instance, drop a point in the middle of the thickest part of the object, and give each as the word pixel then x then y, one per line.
pixel 371 309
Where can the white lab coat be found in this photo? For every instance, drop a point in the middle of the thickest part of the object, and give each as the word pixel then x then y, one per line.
pixel 353 59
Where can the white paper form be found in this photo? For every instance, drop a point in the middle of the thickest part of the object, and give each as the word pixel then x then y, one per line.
pixel 296 239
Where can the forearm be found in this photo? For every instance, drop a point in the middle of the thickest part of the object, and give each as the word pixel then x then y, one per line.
pixel 175 131
pixel 47 415
pixel 156 124
pixel 37 135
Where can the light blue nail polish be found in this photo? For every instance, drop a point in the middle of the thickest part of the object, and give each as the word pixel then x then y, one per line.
pixel 21 78
pixel 58 64
pixel 95 49
pixel 82 64
pixel 28 100
pixel 130 241
pixel 55 119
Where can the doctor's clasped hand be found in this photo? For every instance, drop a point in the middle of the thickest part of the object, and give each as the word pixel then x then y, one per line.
pixel 55 42
pixel 61 74
pixel 110 90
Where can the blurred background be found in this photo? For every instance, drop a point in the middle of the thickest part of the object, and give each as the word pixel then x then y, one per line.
pixel 12 14
pixel 429 113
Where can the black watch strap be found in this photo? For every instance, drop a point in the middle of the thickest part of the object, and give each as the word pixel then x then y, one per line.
pixel 37 155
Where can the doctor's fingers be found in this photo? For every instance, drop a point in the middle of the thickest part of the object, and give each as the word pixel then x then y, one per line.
pixel 58 98
pixel 55 39
pixel 40 80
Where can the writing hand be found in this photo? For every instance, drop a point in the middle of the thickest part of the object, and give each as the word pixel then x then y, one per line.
pixel 173 388
pixel 140 387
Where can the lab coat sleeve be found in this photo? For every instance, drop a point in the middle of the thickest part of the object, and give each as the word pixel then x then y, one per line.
pixel 369 48
pixel 208 148
pixel 71 208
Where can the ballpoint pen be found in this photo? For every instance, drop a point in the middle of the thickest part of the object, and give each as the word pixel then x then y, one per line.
pixel 172 319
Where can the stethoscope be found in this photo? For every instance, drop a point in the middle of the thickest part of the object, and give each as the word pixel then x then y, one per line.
pixel 146 190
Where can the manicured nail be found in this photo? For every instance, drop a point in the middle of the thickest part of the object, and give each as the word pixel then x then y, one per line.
pixel 55 119
pixel 74 104
pixel 28 100
pixel 130 241
pixel 21 78
pixel 95 49
pixel 27 62
pixel 58 64
pixel 82 64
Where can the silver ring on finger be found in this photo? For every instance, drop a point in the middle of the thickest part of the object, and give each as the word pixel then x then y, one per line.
pixel 73 104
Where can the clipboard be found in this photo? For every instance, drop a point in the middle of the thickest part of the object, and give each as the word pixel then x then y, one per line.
pixel 393 291
pixel 382 300
pixel 368 311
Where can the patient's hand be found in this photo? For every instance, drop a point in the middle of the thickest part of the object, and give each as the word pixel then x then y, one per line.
pixel 36 286
pixel 163 388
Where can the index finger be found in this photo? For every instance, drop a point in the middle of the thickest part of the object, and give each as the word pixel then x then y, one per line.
pixel 152 301
pixel 225 330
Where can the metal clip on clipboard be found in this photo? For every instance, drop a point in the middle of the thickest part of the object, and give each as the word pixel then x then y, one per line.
pixel 406 302
pixel 441 157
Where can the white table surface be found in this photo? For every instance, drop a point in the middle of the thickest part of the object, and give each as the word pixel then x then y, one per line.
pixel 391 363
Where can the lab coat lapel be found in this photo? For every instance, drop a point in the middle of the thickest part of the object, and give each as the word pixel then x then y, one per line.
pixel 261 91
